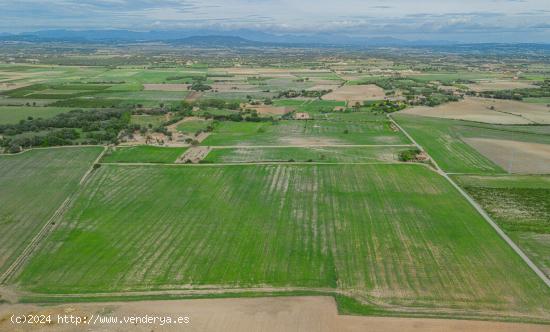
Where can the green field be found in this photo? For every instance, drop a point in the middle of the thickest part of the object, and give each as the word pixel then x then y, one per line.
pixel 313 107
pixel 397 235
pixel 193 126
pixel 521 206
pixel 32 186
pixel 14 114
pixel 322 206
pixel 443 139
pixel 444 143
pixel 153 121
pixel 542 100
pixel 143 154
pixel 312 154
pixel 295 132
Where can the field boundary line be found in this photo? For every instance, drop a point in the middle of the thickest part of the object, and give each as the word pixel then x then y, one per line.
pixel 25 254
pixel 492 174
pixel 51 147
pixel 227 147
pixel 13 269
pixel 301 163
pixel 219 147
pixel 482 212
pixel 91 169
pixel 266 291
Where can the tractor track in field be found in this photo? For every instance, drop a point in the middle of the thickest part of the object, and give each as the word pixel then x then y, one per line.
pixel 480 210
pixel 48 227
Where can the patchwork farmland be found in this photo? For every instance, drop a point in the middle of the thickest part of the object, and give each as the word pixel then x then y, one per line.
pixel 369 180
pixel 143 228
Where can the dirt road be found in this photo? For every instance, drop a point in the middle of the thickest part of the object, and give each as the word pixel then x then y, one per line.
pixel 482 212
pixel 243 314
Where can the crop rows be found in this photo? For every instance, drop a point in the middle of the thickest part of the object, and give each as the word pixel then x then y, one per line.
pixel 398 234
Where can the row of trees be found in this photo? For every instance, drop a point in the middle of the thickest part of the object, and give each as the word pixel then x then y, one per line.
pixel 303 93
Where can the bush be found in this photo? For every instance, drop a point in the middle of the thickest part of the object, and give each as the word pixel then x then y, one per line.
pixel 408 155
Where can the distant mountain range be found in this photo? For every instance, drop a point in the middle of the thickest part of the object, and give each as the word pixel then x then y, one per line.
pixel 240 37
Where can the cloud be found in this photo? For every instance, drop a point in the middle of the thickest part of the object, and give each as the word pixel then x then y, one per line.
pixel 357 17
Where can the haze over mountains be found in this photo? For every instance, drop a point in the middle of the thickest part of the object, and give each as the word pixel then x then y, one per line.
pixel 234 38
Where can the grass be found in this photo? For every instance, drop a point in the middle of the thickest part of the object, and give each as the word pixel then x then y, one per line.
pixel 398 235
pixel 443 139
pixel 154 121
pixel 14 114
pixel 542 100
pixel 349 306
pixel 313 107
pixel 56 91
pixel 32 186
pixel 143 154
pixel 45 299
pixel 521 206
pixel 297 132
pixel 193 126
pixel 313 154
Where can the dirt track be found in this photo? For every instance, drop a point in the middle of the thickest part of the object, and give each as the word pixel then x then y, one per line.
pixel 242 314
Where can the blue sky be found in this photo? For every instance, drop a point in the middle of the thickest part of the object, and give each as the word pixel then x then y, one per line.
pixel 464 20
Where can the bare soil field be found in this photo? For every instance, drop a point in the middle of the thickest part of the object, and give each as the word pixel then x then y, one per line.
pixel 12 86
pixel 165 87
pixel 513 156
pixel 495 85
pixel 242 314
pixel 354 93
pixel 487 111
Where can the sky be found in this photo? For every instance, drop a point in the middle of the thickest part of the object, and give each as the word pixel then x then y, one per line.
pixel 464 20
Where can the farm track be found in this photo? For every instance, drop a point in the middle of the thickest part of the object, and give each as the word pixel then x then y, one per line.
pixel 47 228
pixel 390 309
pixel 480 210
pixel 312 146
pixel 264 163
pixel 25 255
